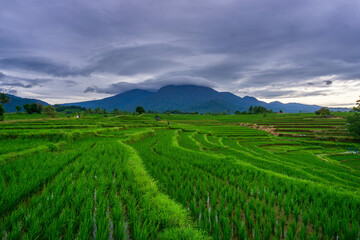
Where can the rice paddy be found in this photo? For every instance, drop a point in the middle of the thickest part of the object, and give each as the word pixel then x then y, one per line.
pixel 283 176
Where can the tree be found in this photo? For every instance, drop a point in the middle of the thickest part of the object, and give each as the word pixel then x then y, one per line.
pixel 237 112
pixel 39 107
pixel 354 124
pixel 50 110
pixel 18 109
pixel 357 108
pixel 140 110
pixel 97 110
pixel 2 111
pixel 69 109
pixel 28 108
pixel 353 121
pixel 323 112
pixel 4 98
pixel 33 108
pixel 259 109
pixel 116 111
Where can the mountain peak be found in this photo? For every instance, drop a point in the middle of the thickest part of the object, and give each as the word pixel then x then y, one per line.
pixel 249 98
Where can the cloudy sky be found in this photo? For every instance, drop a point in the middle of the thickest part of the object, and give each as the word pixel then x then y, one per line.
pixel 64 51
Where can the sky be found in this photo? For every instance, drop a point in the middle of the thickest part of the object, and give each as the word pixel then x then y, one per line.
pixel 290 51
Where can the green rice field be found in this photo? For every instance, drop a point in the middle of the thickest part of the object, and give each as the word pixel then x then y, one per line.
pixel 282 176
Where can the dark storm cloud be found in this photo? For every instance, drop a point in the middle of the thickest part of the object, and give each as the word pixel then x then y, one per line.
pixel 150 84
pixel 9 91
pixel 230 44
pixel 114 88
pixel 123 61
pixel 222 72
pixel 11 81
pixel 40 65
pixel 149 58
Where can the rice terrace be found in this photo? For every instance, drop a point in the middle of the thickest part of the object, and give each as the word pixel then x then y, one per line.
pixel 178 177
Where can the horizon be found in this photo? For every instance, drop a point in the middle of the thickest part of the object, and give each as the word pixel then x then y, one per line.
pixel 73 51
pixel 177 85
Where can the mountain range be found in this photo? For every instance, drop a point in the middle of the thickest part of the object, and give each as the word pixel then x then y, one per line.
pixel 184 98
pixel 190 98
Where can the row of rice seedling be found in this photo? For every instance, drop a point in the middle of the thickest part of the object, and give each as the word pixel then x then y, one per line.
pixel 330 129
pixel 164 218
pixel 345 156
pixel 355 164
pixel 186 139
pixel 348 159
pixel 25 175
pixel 90 188
pixel 305 167
pixel 300 164
pixel 76 123
pixel 215 188
pixel 47 211
pixel 15 145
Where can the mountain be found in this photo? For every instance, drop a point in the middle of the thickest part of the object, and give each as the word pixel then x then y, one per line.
pixel 18 101
pixel 216 105
pixel 189 98
pixel 126 101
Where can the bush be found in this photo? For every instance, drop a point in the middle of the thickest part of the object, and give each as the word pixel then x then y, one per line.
pixel 50 110
pixel 323 112
pixel 140 110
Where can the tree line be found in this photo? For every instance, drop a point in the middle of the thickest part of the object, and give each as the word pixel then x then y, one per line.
pixel 255 110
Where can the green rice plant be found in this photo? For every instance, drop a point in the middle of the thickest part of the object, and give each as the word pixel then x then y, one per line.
pixel 169 214
pixel 257 233
pixel 136 179
pixel 278 231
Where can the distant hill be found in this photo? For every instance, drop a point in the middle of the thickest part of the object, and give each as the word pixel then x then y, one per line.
pixel 18 101
pixel 189 98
